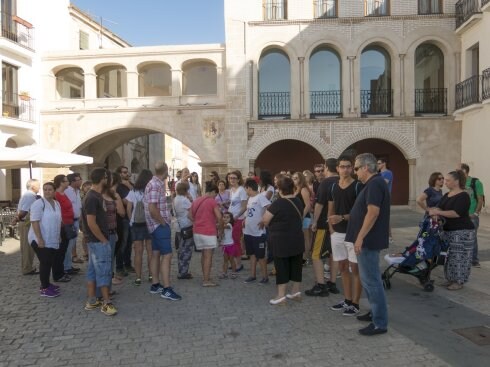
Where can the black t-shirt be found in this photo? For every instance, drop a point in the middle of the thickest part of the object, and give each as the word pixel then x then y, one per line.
pixel 286 227
pixel 375 193
pixel 322 198
pixel 94 205
pixel 460 203
pixel 123 192
pixel 344 200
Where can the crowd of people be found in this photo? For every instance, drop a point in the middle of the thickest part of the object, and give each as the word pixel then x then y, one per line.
pixel 336 217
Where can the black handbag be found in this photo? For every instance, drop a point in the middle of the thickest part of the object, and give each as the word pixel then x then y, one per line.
pixel 186 233
pixel 69 231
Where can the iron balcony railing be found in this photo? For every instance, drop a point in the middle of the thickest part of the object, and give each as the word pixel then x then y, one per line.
pixel 17 30
pixel 274 104
pixel 465 9
pixel 430 7
pixel 18 106
pixel 376 102
pixel 325 8
pixel 484 2
pixel 468 91
pixel 485 84
pixel 432 100
pixel 324 103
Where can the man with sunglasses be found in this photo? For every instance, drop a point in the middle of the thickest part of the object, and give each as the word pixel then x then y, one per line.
pixel 368 229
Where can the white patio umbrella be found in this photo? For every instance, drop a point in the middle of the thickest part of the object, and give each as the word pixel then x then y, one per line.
pixel 35 156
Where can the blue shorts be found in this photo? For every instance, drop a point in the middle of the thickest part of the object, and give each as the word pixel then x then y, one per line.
pixel 160 239
pixel 99 268
pixel 306 222
pixel 255 245
pixel 140 232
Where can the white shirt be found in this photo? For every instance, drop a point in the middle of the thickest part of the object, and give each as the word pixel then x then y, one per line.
pixel 227 235
pixel 236 197
pixel 26 201
pixel 193 190
pixel 182 204
pixel 49 220
pixel 76 201
pixel 270 188
pixel 256 207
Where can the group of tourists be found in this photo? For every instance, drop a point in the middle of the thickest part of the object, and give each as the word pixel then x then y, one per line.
pixel 336 217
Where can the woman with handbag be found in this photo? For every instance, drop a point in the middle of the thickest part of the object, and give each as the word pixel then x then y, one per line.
pixel 205 213
pixel 285 221
pixel 185 237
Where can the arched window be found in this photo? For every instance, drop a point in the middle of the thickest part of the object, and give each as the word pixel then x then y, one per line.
pixel 155 80
pixel 111 82
pixel 376 93
pixel 199 78
pixel 70 83
pixel 274 84
pixel 430 94
pixel 325 82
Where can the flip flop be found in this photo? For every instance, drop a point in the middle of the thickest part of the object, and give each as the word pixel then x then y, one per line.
pixel 209 284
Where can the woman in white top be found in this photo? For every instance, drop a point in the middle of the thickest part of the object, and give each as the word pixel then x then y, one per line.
pixel 194 186
pixel 237 208
pixel 44 236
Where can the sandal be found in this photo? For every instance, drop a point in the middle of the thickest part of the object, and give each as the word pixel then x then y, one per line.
pixel 223 276
pixel 455 287
pixel 209 284
pixel 76 260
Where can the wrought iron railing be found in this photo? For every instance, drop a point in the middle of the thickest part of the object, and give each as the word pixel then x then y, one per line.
pixel 485 84
pixel 274 104
pixel 325 8
pixel 432 100
pixel 468 91
pixel 465 9
pixel 326 103
pixel 376 8
pixel 17 30
pixel 275 9
pixel 376 102
pixel 484 2
pixel 17 106
pixel 430 7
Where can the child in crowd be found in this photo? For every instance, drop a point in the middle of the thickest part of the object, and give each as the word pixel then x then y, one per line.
pixel 228 248
pixel 254 231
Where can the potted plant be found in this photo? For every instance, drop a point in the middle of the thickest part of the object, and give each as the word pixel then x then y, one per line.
pixel 24 96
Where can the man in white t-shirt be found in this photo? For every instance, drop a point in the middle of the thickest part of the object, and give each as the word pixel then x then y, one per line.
pixel 254 231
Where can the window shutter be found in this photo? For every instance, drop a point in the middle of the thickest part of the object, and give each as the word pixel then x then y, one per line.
pixel 83 40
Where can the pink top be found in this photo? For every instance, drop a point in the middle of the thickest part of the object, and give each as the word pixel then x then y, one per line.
pixel 202 210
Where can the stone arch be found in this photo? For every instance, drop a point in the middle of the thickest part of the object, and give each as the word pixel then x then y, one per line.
pixel 284 47
pixel 333 45
pixel 402 142
pixel 258 144
pixel 388 45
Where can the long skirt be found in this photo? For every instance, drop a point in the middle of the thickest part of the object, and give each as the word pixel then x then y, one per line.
pixel 458 264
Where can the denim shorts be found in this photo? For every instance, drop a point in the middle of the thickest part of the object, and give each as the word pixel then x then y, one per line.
pixel 160 239
pixel 99 268
pixel 140 232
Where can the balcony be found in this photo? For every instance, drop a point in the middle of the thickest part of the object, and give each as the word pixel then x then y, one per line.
pixel 325 103
pixel 468 92
pixel 274 105
pixel 431 101
pixel 485 84
pixel 17 30
pixel 467 11
pixel 376 102
pixel 19 107
pixel 484 4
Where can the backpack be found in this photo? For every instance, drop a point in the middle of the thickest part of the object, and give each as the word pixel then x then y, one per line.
pixel 473 187
pixel 139 212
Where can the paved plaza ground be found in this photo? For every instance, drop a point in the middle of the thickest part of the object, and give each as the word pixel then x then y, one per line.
pixel 234 325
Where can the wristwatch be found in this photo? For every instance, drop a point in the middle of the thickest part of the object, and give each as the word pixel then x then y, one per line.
pixel 342 217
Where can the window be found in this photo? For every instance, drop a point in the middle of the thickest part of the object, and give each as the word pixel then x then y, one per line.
pixel 325 8
pixel 430 6
pixel 83 42
pixel 10 100
pixel 376 95
pixel 275 9
pixel 274 84
pixel 111 82
pixel 376 8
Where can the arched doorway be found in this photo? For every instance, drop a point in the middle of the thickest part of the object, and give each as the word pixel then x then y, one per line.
pixel 397 163
pixel 288 155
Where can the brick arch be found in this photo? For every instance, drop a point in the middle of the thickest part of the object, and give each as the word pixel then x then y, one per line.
pixel 405 144
pixel 259 143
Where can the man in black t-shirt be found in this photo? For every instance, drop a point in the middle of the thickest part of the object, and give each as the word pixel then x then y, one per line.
pixel 368 229
pixel 123 256
pixel 321 244
pixel 341 199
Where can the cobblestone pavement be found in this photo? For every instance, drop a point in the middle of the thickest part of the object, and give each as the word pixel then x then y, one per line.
pixel 230 325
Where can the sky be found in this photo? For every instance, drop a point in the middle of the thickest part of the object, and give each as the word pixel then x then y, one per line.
pixel 160 22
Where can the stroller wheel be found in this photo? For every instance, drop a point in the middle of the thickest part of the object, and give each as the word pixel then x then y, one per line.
pixel 386 283
pixel 429 287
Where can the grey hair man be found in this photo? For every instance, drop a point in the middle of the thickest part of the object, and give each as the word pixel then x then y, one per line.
pixel 26 251
pixel 368 230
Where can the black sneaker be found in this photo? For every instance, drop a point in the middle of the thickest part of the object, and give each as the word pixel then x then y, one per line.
pixel 332 287
pixel 368 317
pixel 371 330
pixel 318 290
pixel 350 311
pixel 476 264
pixel 342 306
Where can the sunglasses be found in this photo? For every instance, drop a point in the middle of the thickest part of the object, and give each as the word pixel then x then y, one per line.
pixel 233 178
pixel 356 168
pixel 318 171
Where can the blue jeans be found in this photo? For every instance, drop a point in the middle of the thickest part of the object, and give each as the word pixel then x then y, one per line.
pixel 68 264
pixel 112 241
pixel 368 261
pixel 99 264
pixel 476 222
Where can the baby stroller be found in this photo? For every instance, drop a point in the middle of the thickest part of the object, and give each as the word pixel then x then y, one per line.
pixel 421 257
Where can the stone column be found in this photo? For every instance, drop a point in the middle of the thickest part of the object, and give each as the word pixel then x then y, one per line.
pixel 412 181
pixel 402 84
pixel 132 78
pixel 301 87
pixel 90 85
pixel 352 109
pixel 176 82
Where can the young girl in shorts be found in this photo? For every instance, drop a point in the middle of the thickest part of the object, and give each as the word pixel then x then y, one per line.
pixel 228 248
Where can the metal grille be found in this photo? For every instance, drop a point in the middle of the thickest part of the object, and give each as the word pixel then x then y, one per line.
pixel 18 106
pixel 468 91
pixel 486 84
pixel 13 29
pixel 274 104
pixel 376 102
pixel 326 103
pixel 433 100
pixel 465 9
